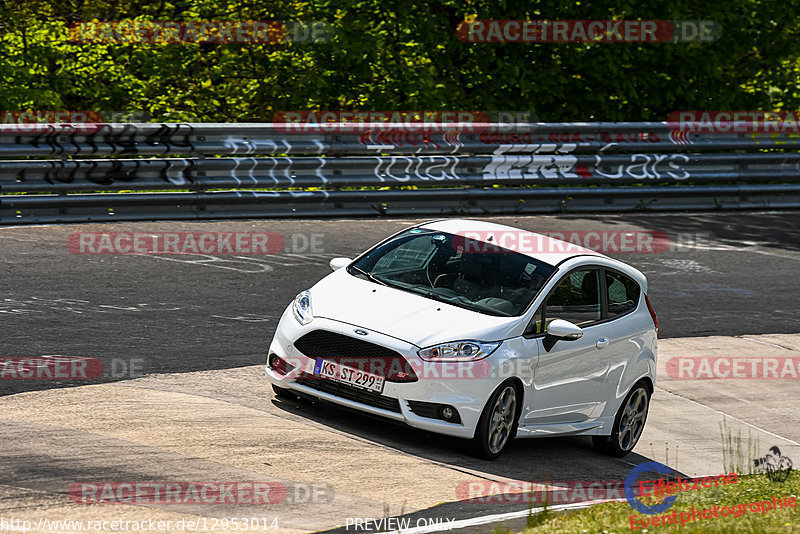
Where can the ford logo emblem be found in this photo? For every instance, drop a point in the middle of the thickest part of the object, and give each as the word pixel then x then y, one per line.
pixel 361 332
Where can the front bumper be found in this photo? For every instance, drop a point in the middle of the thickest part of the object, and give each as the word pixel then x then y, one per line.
pixel 465 387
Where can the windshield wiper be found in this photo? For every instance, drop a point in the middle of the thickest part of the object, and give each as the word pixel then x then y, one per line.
pixel 427 293
pixel 370 275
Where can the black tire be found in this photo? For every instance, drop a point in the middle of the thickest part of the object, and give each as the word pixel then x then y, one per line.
pixel 628 424
pixel 497 424
pixel 283 393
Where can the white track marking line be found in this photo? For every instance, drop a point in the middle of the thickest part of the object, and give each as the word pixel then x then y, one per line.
pixel 482 520
pixel 28 226
pixel 765 343
pixel 732 417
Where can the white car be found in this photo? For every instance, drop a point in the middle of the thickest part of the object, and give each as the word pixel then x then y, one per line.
pixel 479 331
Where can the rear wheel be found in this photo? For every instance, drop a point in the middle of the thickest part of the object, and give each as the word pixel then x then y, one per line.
pixel 628 424
pixel 497 423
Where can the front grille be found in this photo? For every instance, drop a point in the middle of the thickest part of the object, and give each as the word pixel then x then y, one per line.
pixel 364 355
pixel 324 344
pixel 346 391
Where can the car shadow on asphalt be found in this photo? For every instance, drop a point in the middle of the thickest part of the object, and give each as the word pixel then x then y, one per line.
pixel 538 460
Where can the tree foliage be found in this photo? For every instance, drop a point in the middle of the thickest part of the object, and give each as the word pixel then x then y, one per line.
pixel 399 55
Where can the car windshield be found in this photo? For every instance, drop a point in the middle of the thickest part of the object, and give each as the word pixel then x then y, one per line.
pixel 494 281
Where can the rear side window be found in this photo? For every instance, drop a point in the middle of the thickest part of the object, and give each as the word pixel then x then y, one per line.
pixel 623 294
pixel 577 298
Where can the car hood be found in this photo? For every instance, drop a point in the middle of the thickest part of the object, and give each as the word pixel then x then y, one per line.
pixel 403 315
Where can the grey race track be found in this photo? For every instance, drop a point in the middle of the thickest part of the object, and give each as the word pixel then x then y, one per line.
pixel 723 274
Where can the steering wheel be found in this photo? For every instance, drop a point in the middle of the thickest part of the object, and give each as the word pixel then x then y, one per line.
pixel 442 276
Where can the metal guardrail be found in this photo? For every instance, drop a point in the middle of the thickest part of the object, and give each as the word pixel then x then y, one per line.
pixel 88 172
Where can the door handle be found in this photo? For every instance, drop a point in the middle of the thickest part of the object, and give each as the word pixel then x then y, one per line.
pixel 602 343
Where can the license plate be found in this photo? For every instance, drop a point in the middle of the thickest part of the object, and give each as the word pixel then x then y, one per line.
pixel 348 375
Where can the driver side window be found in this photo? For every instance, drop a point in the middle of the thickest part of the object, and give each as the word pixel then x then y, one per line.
pixel 576 299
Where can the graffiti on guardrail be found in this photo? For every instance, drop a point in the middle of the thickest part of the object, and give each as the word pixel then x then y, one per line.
pixel 389 140
pixel 645 167
pixel 556 162
pixel 403 168
pixel 109 138
pixel 724 170
pixel 522 162
pixel 510 162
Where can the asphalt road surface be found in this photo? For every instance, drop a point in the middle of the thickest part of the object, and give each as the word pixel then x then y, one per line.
pixel 182 339
pixel 722 274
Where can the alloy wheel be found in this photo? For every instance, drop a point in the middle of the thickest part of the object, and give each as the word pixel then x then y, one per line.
pixel 502 419
pixel 631 423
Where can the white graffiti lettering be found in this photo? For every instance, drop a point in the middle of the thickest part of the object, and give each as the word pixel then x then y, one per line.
pixel 399 168
pixel 645 166
pixel 546 161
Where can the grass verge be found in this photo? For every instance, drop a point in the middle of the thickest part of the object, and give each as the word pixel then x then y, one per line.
pixel 615 517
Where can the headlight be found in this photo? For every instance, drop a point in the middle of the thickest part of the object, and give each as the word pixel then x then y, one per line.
pixel 458 351
pixel 301 307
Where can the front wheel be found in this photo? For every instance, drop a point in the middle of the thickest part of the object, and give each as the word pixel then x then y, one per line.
pixel 496 424
pixel 628 424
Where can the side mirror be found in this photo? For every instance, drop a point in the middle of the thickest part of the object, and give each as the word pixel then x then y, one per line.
pixel 559 329
pixel 565 330
pixel 338 263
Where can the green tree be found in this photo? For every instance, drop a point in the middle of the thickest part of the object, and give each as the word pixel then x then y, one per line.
pixel 395 54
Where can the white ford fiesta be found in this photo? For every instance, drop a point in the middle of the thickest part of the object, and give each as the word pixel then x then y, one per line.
pixel 479 331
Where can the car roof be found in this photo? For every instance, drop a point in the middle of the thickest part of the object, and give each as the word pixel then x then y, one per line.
pixel 548 250
pixel 541 247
